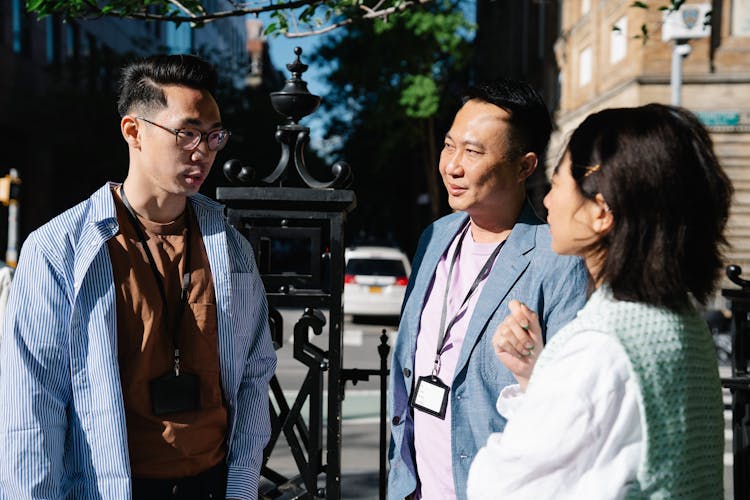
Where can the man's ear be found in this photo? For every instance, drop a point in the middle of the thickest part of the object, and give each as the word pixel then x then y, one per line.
pixel 527 166
pixel 602 215
pixel 129 129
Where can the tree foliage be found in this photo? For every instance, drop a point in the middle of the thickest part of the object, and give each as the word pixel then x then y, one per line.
pixel 290 17
pixel 393 90
pixel 663 6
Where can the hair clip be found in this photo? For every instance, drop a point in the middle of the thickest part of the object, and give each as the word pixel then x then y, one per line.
pixel 590 170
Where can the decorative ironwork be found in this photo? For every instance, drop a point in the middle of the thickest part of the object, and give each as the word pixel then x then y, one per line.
pixel 293 102
pixel 297 236
pixel 739 382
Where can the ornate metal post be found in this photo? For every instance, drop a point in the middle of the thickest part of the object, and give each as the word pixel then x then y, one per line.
pixel 309 220
pixel 739 382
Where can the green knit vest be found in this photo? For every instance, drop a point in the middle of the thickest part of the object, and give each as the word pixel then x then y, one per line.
pixel 673 359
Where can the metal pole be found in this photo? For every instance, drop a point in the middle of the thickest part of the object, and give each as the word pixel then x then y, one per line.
pixel 383 350
pixel 11 252
pixel 680 50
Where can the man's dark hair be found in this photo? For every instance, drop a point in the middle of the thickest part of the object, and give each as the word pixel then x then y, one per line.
pixel 656 169
pixel 529 120
pixel 141 80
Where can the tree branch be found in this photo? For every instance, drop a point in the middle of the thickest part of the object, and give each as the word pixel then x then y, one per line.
pixel 184 14
pixel 187 11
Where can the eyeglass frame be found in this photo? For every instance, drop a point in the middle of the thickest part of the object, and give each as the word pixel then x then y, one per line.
pixel 201 134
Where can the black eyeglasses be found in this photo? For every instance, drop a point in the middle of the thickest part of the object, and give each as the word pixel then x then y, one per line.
pixel 189 138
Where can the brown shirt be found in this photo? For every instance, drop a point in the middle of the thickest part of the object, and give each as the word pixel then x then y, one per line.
pixel 179 444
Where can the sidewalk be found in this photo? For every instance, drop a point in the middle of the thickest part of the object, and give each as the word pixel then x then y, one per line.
pixel 360 449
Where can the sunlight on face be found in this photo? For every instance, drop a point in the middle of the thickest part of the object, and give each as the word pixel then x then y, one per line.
pixel 570 213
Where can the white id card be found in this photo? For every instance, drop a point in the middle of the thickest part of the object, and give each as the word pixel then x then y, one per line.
pixel 430 396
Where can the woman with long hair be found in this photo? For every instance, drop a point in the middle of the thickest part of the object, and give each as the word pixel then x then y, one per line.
pixel 624 401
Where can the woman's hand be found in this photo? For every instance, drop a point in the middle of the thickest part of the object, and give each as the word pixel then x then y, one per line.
pixel 518 341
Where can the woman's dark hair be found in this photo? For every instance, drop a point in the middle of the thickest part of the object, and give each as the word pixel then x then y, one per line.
pixel 141 81
pixel 656 169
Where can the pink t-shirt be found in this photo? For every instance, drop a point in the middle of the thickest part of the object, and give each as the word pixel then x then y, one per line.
pixel 432 436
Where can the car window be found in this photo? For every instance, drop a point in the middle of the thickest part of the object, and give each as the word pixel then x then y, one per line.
pixel 375 267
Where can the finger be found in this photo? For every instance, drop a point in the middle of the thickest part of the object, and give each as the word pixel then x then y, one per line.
pixel 512 333
pixel 519 336
pixel 504 342
pixel 527 319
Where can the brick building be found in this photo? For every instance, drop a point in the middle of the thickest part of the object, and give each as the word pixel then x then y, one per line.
pixel 601 67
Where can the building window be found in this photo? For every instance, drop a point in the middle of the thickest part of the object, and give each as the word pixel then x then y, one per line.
pixel 584 67
pixel 2 22
pixel 21 28
pixel 585 7
pixel 72 41
pixel 618 40
pixel 741 17
pixel 53 39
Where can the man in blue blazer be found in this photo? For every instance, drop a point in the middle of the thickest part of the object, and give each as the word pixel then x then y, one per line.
pixel 445 377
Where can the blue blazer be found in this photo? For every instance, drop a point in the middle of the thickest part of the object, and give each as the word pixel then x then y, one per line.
pixel 526 269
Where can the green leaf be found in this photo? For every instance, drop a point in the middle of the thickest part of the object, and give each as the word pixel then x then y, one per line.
pixel 271 28
pixel 640 5
pixel 420 97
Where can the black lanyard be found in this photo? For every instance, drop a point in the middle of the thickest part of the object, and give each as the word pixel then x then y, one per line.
pixel 483 273
pixel 159 282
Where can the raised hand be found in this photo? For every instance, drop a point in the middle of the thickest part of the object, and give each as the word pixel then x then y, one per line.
pixel 518 341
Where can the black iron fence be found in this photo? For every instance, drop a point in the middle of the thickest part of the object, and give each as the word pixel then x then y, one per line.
pixel 739 382
pixel 306 223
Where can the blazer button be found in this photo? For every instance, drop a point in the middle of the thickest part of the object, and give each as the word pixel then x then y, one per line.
pixel 396 420
pixel 407 372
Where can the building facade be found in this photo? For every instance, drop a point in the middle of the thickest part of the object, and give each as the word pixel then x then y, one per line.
pixel 602 67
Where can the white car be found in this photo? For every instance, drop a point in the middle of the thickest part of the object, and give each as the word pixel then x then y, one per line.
pixel 375 281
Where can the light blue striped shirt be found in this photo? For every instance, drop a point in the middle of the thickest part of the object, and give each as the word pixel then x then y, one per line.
pixel 62 422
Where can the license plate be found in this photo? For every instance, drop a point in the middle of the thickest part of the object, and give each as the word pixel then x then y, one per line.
pixel 376 289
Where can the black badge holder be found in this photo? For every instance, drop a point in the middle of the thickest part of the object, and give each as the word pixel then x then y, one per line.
pixel 425 384
pixel 175 393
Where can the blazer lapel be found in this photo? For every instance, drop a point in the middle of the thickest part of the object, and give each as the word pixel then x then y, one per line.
pixel 510 264
pixel 442 237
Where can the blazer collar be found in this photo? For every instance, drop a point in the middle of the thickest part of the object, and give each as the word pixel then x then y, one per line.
pixel 510 264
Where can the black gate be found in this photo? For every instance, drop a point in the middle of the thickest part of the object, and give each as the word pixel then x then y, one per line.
pixel 739 382
pixel 297 235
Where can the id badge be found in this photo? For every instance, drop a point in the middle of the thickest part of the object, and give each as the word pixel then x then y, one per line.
pixel 430 396
pixel 172 393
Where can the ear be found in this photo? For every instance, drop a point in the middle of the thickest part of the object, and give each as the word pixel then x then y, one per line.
pixel 129 129
pixel 527 165
pixel 602 219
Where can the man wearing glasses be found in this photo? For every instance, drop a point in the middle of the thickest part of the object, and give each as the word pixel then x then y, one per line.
pixel 136 354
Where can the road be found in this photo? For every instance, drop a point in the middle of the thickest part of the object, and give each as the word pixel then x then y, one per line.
pixel 360 445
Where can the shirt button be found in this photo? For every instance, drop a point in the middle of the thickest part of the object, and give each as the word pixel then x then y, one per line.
pixel 407 372
pixel 396 420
